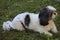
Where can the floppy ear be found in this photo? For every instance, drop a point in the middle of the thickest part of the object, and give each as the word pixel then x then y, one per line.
pixel 44 17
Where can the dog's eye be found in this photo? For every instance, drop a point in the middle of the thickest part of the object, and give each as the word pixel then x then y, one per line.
pixel 54 13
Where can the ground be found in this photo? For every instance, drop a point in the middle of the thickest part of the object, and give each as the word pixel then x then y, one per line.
pixel 10 8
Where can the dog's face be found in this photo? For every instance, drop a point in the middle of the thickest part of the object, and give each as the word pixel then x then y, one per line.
pixel 46 14
pixel 52 12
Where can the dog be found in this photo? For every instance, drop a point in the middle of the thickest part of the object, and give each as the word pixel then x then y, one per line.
pixel 42 22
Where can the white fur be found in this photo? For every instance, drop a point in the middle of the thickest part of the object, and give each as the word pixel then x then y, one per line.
pixel 51 8
pixel 7 25
pixel 34 24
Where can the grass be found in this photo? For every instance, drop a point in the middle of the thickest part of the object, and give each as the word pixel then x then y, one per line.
pixel 10 8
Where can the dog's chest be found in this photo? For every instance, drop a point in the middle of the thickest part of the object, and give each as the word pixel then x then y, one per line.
pixel 49 26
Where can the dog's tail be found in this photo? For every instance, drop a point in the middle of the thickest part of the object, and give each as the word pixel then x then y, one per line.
pixel 7 25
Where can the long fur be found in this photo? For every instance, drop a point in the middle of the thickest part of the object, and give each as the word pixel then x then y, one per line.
pixel 42 22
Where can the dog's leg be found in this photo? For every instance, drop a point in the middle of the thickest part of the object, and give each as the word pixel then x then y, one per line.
pixel 54 29
pixel 18 26
pixel 41 30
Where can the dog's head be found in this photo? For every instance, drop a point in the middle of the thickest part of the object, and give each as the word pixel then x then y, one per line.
pixel 46 14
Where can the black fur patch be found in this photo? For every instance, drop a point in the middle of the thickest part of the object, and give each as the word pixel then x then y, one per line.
pixel 27 20
pixel 44 16
pixel 43 21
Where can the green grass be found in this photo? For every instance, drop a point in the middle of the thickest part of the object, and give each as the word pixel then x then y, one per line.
pixel 10 8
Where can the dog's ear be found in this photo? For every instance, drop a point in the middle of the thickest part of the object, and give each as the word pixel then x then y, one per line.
pixel 44 17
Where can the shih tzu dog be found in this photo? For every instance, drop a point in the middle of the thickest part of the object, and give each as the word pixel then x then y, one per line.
pixel 42 22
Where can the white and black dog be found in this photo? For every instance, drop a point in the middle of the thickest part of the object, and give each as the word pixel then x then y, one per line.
pixel 42 22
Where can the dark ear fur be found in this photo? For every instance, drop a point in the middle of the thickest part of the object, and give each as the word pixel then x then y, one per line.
pixel 44 17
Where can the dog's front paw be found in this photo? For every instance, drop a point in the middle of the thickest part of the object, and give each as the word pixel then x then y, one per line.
pixel 49 34
pixel 54 30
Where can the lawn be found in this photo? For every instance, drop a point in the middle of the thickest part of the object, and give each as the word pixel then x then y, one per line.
pixel 10 8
